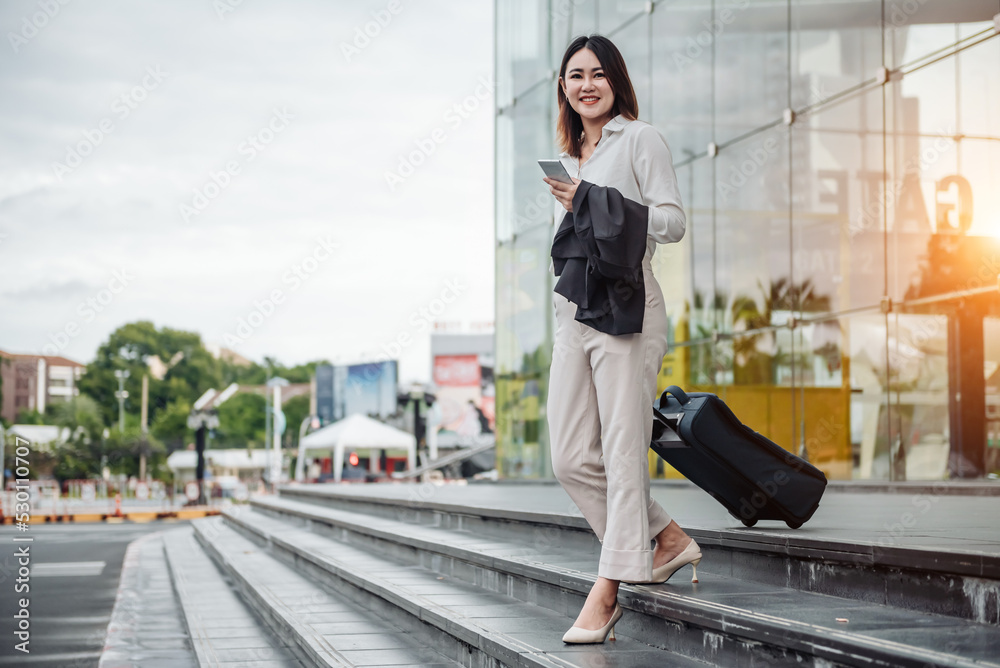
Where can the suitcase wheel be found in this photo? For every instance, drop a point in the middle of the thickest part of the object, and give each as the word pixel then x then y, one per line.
pixel 793 525
pixel 748 523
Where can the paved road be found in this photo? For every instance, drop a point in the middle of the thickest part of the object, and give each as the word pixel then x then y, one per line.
pixel 71 595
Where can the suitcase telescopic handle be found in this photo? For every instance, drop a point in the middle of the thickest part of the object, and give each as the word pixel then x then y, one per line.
pixel 678 394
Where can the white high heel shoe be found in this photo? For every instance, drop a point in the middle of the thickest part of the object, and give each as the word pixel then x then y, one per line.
pixel 578 636
pixel 691 554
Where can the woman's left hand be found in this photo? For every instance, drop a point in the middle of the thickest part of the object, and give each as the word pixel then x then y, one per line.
pixel 563 191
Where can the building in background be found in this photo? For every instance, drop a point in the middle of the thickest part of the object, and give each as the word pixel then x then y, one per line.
pixel 32 382
pixel 464 411
pixel 838 162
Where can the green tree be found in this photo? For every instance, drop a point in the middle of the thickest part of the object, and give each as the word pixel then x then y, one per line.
pixel 192 370
pixel 124 450
pixel 170 425
pixel 80 455
pixel 296 409
pixel 241 421
pixel 30 417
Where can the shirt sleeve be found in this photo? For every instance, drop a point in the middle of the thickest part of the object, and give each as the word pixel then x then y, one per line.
pixel 654 171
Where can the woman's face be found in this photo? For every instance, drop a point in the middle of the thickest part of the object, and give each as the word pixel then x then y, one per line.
pixel 586 87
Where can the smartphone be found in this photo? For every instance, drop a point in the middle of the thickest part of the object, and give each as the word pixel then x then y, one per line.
pixel 555 169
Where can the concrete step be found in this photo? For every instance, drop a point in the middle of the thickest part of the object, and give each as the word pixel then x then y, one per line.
pixel 325 627
pixel 222 628
pixel 147 625
pixel 724 620
pixel 948 580
pixel 469 623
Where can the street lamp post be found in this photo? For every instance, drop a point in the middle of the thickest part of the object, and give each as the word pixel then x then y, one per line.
pixel 276 384
pixel 121 394
pixel 204 416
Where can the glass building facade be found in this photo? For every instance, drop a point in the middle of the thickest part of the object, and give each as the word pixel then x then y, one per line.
pixel 840 168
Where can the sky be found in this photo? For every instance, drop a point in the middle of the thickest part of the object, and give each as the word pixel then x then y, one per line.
pixel 301 180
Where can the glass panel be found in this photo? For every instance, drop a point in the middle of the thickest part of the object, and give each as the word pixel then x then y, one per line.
pixel 532 203
pixel 978 99
pixel 763 404
pixel 922 157
pixel 916 28
pixel 867 361
pixel 919 432
pixel 614 13
pixel 524 350
pixel 522 44
pixel 506 223
pixel 570 19
pixel 584 17
pixel 697 184
pixel 833 48
pixel 751 65
pixel 823 398
pixel 682 78
pixel 752 261
pixel 671 265
pixel 838 236
pixel 633 42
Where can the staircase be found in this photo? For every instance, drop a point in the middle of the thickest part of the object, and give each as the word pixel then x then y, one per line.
pixel 334 575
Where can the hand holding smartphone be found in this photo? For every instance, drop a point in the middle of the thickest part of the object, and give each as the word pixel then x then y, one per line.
pixel 556 170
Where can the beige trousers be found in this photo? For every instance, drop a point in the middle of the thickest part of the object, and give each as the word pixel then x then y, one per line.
pixel 600 416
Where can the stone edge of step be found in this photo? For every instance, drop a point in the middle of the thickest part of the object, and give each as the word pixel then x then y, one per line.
pixel 945 562
pixel 202 644
pixel 811 639
pixel 316 650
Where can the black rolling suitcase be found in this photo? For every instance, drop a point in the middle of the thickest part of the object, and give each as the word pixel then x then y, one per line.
pixel 754 478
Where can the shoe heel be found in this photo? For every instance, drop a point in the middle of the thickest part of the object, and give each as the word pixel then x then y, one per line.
pixel 694 568
pixel 612 635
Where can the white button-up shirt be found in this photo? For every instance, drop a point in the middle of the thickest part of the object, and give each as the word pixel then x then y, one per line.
pixel 633 157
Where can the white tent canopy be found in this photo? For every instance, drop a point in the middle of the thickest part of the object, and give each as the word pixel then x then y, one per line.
pixel 353 433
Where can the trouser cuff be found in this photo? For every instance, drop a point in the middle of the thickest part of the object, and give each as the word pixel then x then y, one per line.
pixel 627 565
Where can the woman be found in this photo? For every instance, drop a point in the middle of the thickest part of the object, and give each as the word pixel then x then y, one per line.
pixel 602 386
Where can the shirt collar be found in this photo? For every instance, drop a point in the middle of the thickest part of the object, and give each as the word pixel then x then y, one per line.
pixel 614 125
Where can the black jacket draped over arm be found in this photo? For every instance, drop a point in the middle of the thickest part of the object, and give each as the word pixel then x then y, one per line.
pixel 597 254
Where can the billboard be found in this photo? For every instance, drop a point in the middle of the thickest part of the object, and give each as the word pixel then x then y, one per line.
pixel 366 388
pixel 466 397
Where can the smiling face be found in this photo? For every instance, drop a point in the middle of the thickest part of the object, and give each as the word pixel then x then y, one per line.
pixel 586 87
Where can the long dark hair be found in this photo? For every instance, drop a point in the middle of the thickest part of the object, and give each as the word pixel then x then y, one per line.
pixel 570 125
